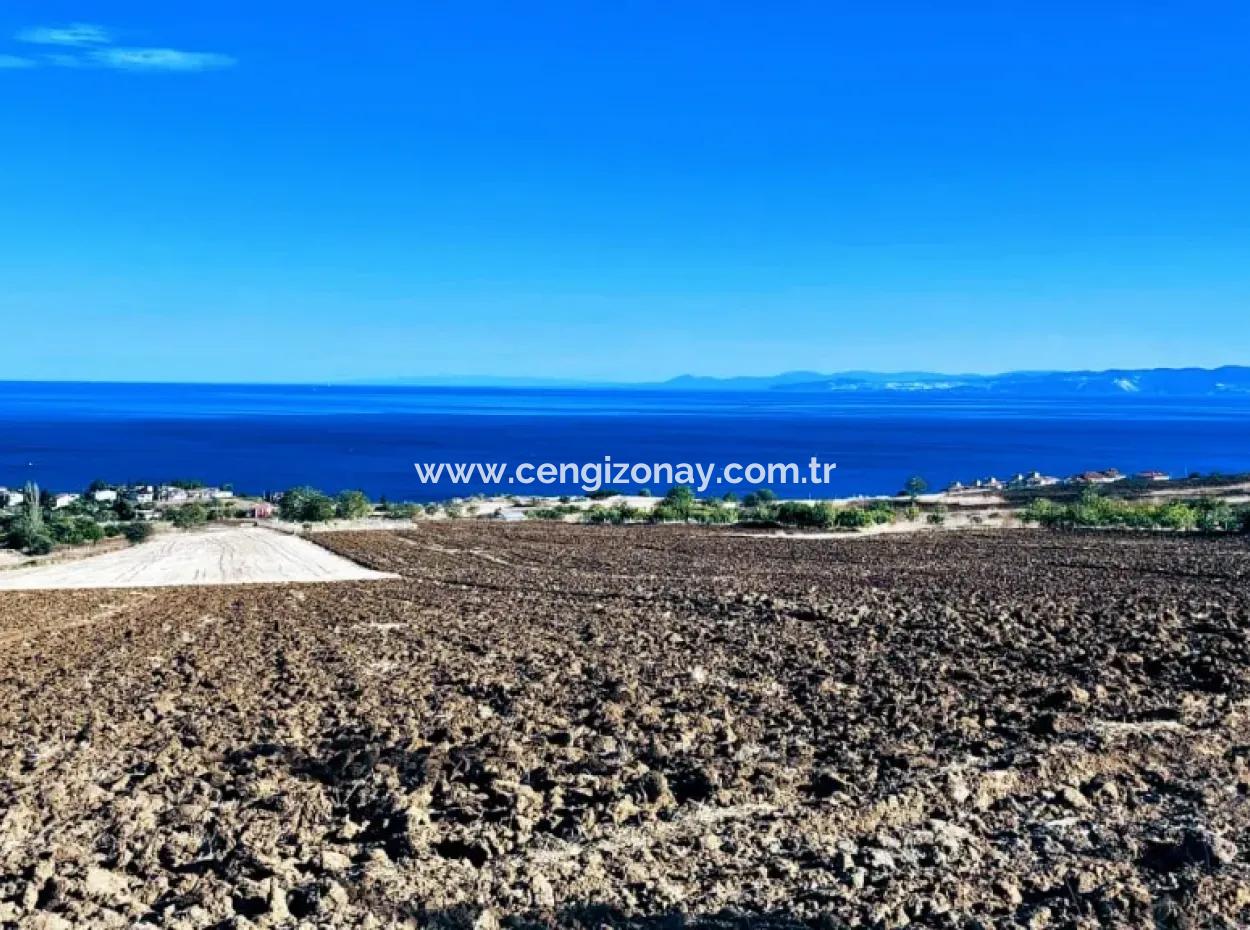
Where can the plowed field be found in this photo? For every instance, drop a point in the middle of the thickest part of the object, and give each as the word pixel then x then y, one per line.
pixel 654 725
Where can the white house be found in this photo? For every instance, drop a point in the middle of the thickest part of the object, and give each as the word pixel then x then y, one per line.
pixel 107 496
pixel 11 498
pixel 1035 479
pixel 205 495
pixel 63 500
pixel 142 494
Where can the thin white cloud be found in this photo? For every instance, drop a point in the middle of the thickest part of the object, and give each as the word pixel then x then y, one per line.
pixel 78 34
pixel 159 59
pixel 90 46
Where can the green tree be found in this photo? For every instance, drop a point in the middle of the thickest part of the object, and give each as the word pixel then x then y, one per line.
pixel 1042 512
pixel 759 497
pixel 291 505
pixel 88 530
pixel 1217 516
pixel 353 505
pixel 914 486
pixel 306 505
pixel 32 507
pixel 1178 516
pixel 678 502
pixel 39 544
pixel 318 509
pixel 27 531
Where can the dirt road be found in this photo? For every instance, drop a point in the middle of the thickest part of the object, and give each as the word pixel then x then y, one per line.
pixel 238 555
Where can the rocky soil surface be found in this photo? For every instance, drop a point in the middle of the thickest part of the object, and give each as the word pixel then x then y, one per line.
pixel 652 726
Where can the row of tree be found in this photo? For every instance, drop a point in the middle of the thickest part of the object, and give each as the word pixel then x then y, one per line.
pixel 760 507
pixel 308 505
pixel 35 527
pixel 1093 510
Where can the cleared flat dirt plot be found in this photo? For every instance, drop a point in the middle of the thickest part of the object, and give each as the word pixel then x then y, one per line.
pixel 650 728
pixel 242 555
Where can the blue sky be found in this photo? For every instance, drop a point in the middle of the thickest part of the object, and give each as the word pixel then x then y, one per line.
pixel 314 192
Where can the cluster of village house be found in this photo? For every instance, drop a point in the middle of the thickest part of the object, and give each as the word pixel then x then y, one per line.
pixel 1036 479
pixel 147 499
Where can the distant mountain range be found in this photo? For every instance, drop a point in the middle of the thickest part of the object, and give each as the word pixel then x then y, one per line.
pixel 1121 382
pixel 1230 380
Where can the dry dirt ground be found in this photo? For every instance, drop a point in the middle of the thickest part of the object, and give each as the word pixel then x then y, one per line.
pixel 647 726
pixel 238 555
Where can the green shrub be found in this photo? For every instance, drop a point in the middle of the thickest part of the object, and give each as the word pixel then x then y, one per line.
pixel 88 530
pixel 558 512
pixel 74 530
pixel 616 514
pixel 188 515
pixel 1217 516
pixel 758 514
pixel 404 511
pixel 34 539
pixel 882 512
pixel 138 532
pixel 870 515
pixel 1178 516
pixel 821 515
pixel 664 512
pixel 712 513
pixel 853 518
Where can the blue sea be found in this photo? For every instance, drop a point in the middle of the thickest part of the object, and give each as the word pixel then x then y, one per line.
pixel 264 438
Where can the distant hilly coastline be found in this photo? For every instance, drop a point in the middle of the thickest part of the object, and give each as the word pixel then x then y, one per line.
pixel 1227 381
pixel 1122 382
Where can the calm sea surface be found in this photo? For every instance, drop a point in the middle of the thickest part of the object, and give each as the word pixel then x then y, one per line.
pixel 271 437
